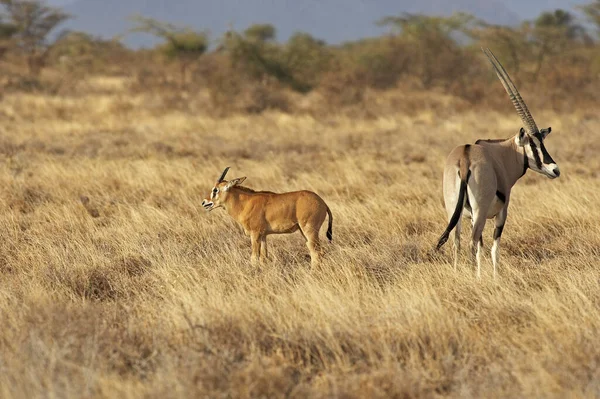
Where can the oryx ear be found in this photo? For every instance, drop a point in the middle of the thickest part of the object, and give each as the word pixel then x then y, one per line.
pixel 545 132
pixel 234 182
pixel 522 138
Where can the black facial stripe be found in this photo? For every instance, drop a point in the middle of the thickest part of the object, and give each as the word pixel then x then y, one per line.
pixel 547 158
pixel 498 232
pixel 536 156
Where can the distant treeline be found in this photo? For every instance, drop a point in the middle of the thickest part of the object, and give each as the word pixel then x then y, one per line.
pixel 252 71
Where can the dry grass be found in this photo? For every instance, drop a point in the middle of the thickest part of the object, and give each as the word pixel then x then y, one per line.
pixel 115 283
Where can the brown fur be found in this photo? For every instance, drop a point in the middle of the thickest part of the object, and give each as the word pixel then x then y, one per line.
pixel 261 213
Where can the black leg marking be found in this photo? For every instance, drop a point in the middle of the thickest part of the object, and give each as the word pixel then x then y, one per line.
pixel 498 232
pixel 525 162
pixel 501 197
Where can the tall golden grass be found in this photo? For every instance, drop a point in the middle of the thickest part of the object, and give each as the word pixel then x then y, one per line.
pixel 115 283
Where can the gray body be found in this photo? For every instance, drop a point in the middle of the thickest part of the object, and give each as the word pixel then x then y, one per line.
pixel 478 178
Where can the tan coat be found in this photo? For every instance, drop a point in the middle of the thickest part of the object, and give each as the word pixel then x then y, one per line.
pixel 261 213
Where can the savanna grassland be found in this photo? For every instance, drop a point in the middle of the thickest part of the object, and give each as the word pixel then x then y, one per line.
pixel 115 283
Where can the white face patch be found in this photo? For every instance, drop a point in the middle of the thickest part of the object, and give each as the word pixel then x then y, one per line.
pixel 539 159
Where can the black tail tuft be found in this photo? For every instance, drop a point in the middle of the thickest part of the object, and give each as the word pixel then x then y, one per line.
pixel 456 215
pixel 329 226
pixel 443 238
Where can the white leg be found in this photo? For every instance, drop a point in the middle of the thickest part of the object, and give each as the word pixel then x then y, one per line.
pixel 478 257
pixel 476 240
pixel 457 243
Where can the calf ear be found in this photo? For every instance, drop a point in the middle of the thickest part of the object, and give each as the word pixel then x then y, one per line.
pixel 234 182
pixel 522 138
pixel 545 132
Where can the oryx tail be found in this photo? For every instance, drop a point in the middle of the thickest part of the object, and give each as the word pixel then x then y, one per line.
pixel 464 174
pixel 330 226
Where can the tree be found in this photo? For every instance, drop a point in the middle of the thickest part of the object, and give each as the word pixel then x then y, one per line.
pixel 592 12
pixel 76 50
pixel 307 59
pixel 182 44
pixel 256 58
pixel 7 31
pixel 260 32
pixel 553 33
pixel 29 23
pixel 509 43
pixel 433 39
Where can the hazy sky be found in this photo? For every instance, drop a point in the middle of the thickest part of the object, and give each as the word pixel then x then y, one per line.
pixel 107 18
pixel 525 8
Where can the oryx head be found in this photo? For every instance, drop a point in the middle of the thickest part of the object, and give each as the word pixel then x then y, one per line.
pixel 218 194
pixel 530 138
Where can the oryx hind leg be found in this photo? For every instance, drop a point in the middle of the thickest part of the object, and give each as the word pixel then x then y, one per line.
pixel 500 220
pixel 479 220
pixel 457 230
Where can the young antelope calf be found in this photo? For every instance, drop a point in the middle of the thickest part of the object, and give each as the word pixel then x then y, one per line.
pixel 263 212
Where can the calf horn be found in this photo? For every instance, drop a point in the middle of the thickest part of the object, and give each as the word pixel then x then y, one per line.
pixel 223 175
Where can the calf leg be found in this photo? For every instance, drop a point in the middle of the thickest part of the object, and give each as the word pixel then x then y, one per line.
pixel 263 248
pixel 313 243
pixel 255 237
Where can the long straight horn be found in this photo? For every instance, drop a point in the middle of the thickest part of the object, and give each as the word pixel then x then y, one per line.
pixel 513 93
pixel 223 175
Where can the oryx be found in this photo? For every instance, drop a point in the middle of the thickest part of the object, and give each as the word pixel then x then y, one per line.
pixel 263 212
pixel 478 178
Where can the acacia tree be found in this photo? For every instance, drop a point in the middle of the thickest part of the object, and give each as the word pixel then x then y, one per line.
pixel 592 12
pixel 509 43
pixel 7 31
pixel 552 33
pixel 184 45
pixel 260 32
pixel 306 58
pixel 432 39
pixel 257 57
pixel 29 23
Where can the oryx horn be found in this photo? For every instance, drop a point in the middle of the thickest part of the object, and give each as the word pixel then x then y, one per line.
pixel 513 93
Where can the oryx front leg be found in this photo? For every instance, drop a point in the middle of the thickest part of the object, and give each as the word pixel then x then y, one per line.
pixel 500 220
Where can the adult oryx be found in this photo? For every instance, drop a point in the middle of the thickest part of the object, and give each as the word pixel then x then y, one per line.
pixel 263 212
pixel 478 178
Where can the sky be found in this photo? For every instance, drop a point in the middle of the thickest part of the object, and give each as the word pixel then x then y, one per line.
pixel 526 8
pixel 326 19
